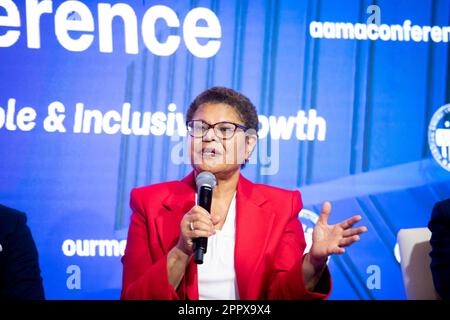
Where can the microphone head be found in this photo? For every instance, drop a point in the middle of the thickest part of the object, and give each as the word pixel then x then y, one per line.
pixel 205 178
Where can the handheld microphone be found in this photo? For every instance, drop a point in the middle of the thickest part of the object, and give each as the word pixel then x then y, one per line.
pixel 205 182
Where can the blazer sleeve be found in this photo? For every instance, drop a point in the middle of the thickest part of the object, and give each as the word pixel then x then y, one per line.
pixel 21 276
pixel 439 226
pixel 143 277
pixel 288 282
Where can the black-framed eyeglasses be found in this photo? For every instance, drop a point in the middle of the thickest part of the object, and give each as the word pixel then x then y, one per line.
pixel 223 130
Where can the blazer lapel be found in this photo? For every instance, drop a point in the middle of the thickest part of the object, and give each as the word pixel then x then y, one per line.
pixel 254 219
pixel 179 201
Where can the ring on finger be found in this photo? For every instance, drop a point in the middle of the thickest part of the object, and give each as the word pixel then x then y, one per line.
pixel 191 226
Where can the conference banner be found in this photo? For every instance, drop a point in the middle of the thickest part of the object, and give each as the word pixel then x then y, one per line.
pixel 353 99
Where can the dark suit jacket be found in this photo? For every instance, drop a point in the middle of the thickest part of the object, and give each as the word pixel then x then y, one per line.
pixel 268 251
pixel 439 226
pixel 20 275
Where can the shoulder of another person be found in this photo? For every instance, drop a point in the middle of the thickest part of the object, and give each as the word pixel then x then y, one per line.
pixel 10 219
pixel 442 209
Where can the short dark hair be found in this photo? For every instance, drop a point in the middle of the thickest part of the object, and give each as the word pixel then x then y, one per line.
pixel 243 106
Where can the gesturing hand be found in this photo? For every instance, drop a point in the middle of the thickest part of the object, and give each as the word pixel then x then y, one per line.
pixel 332 239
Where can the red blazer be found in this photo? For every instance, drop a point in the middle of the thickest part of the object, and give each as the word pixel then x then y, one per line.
pixel 268 249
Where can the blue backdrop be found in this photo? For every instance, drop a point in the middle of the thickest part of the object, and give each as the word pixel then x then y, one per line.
pixel 353 109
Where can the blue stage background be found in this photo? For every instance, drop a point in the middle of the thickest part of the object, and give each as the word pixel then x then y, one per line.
pixel 377 98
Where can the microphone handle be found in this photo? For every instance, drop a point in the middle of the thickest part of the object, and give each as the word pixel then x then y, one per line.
pixel 200 244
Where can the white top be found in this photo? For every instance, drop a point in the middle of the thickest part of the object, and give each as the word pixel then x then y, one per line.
pixel 216 276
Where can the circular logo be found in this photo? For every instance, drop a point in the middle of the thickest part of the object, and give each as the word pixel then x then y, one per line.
pixel 439 136
pixel 308 219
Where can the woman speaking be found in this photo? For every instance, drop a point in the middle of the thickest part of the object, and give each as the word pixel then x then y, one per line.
pixel 255 242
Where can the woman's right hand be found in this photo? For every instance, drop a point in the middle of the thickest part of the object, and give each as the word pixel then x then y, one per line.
pixel 196 223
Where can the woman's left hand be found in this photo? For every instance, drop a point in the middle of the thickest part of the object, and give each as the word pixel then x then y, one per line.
pixel 332 239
